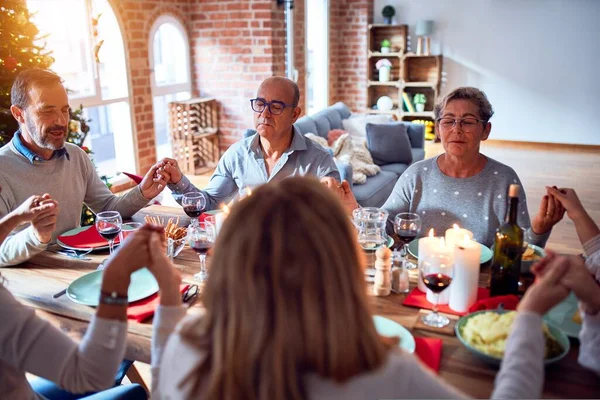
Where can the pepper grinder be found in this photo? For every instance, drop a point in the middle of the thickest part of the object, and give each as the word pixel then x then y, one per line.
pixel 383 265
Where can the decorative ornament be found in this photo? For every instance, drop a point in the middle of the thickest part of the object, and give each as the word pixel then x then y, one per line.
pixel 10 63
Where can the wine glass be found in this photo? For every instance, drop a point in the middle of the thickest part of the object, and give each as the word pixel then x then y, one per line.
pixel 201 237
pixel 407 226
pixel 193 204
pixel 437 272
pixel 108 225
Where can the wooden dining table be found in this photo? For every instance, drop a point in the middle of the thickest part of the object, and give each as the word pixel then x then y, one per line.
pixel 36 281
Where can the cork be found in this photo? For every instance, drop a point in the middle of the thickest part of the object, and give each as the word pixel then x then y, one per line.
pixel 513 190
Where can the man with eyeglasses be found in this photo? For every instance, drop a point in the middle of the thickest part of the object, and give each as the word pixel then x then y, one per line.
pixel 38 160
pixel 276 152
pixel 463 186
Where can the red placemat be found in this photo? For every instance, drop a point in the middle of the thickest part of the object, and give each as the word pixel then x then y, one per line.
pixel 143 309
pixel 418 299
pixel 87 239
pixel 429 350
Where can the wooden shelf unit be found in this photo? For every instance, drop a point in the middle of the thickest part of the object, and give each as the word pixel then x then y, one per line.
pixel 410 74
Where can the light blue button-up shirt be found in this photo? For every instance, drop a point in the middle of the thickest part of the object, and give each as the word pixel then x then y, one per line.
pixel 243 165
pixel 30 155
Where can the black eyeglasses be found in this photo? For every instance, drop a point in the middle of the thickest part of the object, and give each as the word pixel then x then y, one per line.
pixel 275 107
pixel 190 293
pixel 466 124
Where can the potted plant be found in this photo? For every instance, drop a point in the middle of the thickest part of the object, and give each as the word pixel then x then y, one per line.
pixel 419 100
pixel 388 13
pixel 384 66
pixel 386 46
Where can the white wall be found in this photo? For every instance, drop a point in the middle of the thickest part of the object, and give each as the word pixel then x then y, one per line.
pixel 537 60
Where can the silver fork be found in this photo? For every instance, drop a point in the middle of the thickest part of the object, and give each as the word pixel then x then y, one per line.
pixel 80 255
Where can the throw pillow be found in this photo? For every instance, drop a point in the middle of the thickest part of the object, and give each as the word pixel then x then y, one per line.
pixel 333 135
pixel 356 125
pixel 389 143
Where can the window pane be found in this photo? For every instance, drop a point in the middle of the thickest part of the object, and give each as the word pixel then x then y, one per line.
pixel 161 122
pixel 170 61
pixel 112 68
pixel 65 22
pixel 317 68
pixel 110 125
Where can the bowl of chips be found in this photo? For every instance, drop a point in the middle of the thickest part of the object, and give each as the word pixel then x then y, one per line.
pixel 531 255
pixel 485 333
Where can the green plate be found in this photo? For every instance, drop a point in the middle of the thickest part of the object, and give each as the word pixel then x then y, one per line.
pixel 76 231
pixel 387 327
pixel 86 289
pixel 554 331
pixel 562 316
pixel 486 253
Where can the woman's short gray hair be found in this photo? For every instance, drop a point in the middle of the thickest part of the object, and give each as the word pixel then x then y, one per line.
pixel 471 94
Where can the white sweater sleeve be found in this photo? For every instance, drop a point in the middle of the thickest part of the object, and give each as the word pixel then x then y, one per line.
pixel 165 321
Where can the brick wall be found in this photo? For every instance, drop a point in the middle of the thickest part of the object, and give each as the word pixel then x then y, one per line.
pixel 299 51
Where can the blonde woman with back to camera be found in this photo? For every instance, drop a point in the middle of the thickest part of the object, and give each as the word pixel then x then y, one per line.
pixel 287 315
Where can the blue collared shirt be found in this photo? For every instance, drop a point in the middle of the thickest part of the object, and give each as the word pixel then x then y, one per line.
pixel 243 165
pixel 30 155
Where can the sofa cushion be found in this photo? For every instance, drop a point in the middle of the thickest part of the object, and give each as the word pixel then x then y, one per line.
pixel 342 109
pixel 306 125
pixel 375 191
pixel 418 154
pixel 322 122
pixel 389 143
pixel 356 125
pixel 397 168
pixel 335 120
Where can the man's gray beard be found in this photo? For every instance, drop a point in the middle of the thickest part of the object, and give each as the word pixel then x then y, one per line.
pixel 38 138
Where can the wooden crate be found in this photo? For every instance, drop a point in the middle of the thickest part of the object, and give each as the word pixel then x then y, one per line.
pixel 395 73
pixel 422 69
pixel 396 34
pixel 194 126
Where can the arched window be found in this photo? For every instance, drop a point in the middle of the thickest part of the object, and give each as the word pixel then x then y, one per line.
pixel 95 76
pixel 171 80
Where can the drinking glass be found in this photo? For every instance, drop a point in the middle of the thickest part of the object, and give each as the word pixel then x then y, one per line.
pixel 128 228
pixel 193 204
pixel 407 226
pixel 437 272
pixel 201 237
pixel 108 224
pixel 370 223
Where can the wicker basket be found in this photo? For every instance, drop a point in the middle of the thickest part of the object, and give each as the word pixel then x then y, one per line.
pixel 194 126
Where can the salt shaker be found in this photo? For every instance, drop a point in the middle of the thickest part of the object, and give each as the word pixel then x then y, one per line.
pixel 383 265
pixel 400 282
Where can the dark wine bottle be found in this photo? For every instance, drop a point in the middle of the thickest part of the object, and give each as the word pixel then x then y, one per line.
pixel 508 248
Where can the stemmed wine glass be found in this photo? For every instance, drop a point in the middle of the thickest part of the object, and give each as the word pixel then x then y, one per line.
pixel 437 272
pixel 201 237
pixel 407 226
pixel 108 225
pixel 193 204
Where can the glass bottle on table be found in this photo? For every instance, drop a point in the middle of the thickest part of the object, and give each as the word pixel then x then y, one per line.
pixel 437 272
pixel 508 249
pixel 194 204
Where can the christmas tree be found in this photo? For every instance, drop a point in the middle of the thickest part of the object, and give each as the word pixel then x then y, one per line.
pixel 20 49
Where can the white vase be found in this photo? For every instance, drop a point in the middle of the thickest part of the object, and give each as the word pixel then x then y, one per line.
pixel 420 107
pixel 384 74
pixel 385 49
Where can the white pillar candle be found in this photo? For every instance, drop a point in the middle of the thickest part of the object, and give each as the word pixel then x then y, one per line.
pixel 443 297
pixel 427 245
pixel 455 235
pixel 463 289
pixel 220 218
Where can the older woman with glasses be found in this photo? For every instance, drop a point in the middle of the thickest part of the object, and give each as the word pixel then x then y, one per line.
pixel 463 186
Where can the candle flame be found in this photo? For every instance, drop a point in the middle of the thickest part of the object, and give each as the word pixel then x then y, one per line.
pixel 248 191
pixel 431 233
pixel 225 209
pixel 456 227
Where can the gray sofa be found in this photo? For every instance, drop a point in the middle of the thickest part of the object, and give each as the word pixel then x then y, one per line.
pixel 377 188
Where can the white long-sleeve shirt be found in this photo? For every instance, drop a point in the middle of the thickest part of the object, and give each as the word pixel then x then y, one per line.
pixel 589 337
pixel 30 344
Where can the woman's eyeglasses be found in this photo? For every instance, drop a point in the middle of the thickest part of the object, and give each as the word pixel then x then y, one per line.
pixel 275 107
pixel 466 124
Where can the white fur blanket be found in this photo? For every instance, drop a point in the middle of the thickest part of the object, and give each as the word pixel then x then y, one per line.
pixel 357 155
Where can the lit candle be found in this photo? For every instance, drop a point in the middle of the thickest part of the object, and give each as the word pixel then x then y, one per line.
pixel 444 296
pixel 455 235
pixel 463 290
pixel 220 217
pixel 426 247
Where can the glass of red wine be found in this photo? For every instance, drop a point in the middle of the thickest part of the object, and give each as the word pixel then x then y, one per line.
pixel 193 204
pixel 201 237
pixel 407 226
pixel 437 272
pixel 108 225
